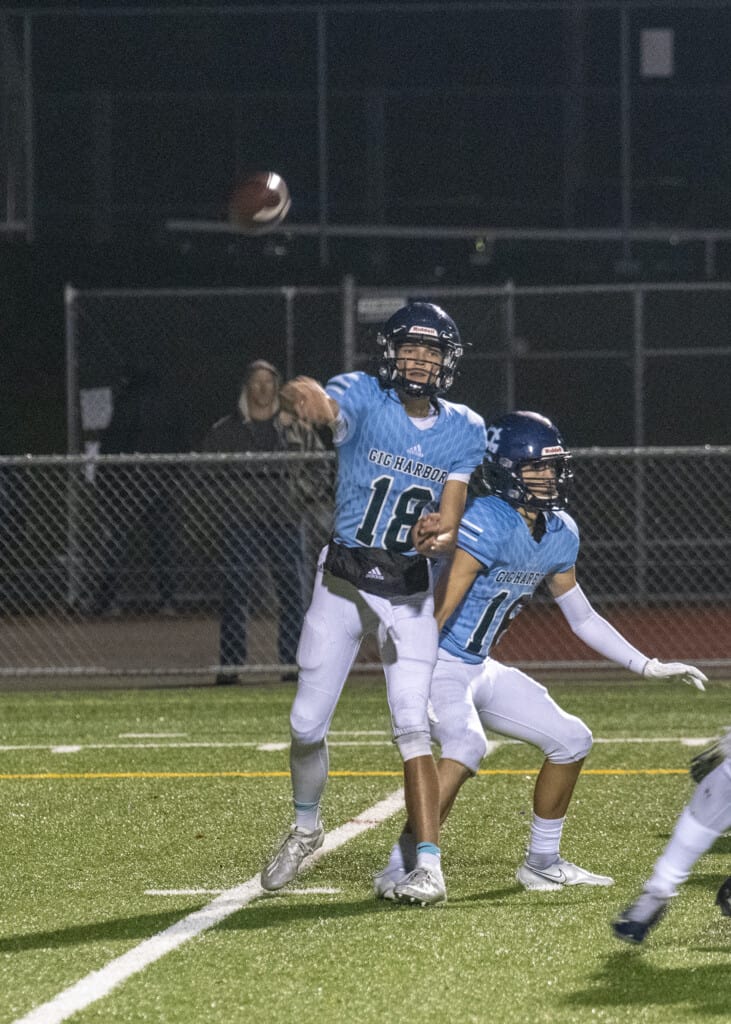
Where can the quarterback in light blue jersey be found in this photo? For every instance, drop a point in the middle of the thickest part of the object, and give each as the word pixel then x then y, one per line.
pixel 513 537
pixel 400 447
pixel 391 465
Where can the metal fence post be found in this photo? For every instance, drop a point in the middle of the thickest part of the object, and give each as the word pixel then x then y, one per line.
pixel 639 440
pixel 322 134
pixel 74 500
pixel 509 326
pixel 289 294
pixel 349 317
pixel 73 434
pixel 29 127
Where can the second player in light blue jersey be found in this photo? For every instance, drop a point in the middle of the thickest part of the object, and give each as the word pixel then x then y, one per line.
pixel 513 563
pixel 401 446
pixel 511 540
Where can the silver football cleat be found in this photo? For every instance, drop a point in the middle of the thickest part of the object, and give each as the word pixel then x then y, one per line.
pixel 424 886
pixel 293 850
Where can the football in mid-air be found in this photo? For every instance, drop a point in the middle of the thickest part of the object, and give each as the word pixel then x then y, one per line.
pixel 261 201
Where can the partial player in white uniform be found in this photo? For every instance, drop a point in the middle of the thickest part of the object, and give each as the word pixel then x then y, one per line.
pixel 400 447
pixel 510 540
pixel 705 817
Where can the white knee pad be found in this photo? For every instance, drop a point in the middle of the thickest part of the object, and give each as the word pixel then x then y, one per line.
pixel 410 721
pixel 469 752
pixel 413 744
pixel 409 709
pixel 572 745
pixel 460 737
pixel 305 731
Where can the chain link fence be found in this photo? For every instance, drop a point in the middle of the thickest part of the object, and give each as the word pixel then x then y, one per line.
pixel 195 343
pixel 200 564
pixel 613 365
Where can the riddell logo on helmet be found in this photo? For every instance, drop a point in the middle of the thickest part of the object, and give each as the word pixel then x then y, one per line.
pixel 431 332
pixel 554 449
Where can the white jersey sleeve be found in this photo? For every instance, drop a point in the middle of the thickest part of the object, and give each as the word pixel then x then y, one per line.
pixel 597 633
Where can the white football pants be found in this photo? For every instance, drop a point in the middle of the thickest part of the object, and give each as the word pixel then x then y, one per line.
pixel 467 699
pixel 705 817
pixel 338 618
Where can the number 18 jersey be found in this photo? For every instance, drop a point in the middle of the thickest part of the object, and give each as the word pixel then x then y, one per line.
pixel 388 468
pixel 514 564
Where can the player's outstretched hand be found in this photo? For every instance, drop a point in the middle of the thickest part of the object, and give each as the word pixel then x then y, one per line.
pixel 307 400
pixel 689 674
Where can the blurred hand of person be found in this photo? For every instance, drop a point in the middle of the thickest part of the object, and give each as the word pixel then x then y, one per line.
pixel 304 398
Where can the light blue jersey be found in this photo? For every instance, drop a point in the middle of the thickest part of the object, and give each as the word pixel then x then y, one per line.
pixel 496 534
pixel 388 468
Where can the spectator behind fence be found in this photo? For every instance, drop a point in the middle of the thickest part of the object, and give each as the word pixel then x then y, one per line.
pixel 262 515
pixel 137 502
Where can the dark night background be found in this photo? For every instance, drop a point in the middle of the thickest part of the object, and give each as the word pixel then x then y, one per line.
pixel 474 114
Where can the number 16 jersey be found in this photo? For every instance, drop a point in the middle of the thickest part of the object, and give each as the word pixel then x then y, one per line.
pixel 514 564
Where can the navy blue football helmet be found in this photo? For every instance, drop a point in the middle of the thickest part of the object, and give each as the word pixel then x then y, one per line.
pixel 426 324
pixel 519 440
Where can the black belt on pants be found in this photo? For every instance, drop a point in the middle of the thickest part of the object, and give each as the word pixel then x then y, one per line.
pixel 380 572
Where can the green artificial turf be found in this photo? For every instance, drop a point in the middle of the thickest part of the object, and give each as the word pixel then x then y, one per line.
pixel 86 831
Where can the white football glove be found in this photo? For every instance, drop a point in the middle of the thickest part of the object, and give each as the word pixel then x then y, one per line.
pixel 689 674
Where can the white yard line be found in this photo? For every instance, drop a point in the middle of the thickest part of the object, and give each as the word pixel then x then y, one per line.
pixel 276 745
pixel 315 891
pixel 183 892
pixel 151 735
pixel 99 983
pixel 74 748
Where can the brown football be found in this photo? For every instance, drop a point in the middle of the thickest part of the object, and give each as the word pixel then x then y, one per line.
pixel 260 201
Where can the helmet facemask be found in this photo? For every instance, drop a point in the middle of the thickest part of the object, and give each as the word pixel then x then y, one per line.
pixel 545 494
pixel 391 375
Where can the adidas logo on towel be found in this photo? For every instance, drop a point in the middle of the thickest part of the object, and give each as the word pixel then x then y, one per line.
pixel 415 450
pixel 374 574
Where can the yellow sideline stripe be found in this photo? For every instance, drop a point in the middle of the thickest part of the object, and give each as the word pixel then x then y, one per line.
pixel 285 775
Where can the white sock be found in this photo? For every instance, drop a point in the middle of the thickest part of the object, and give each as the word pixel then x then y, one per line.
pixel 545 840
pixel 429 856
pixel 403 853
pixel 688 842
